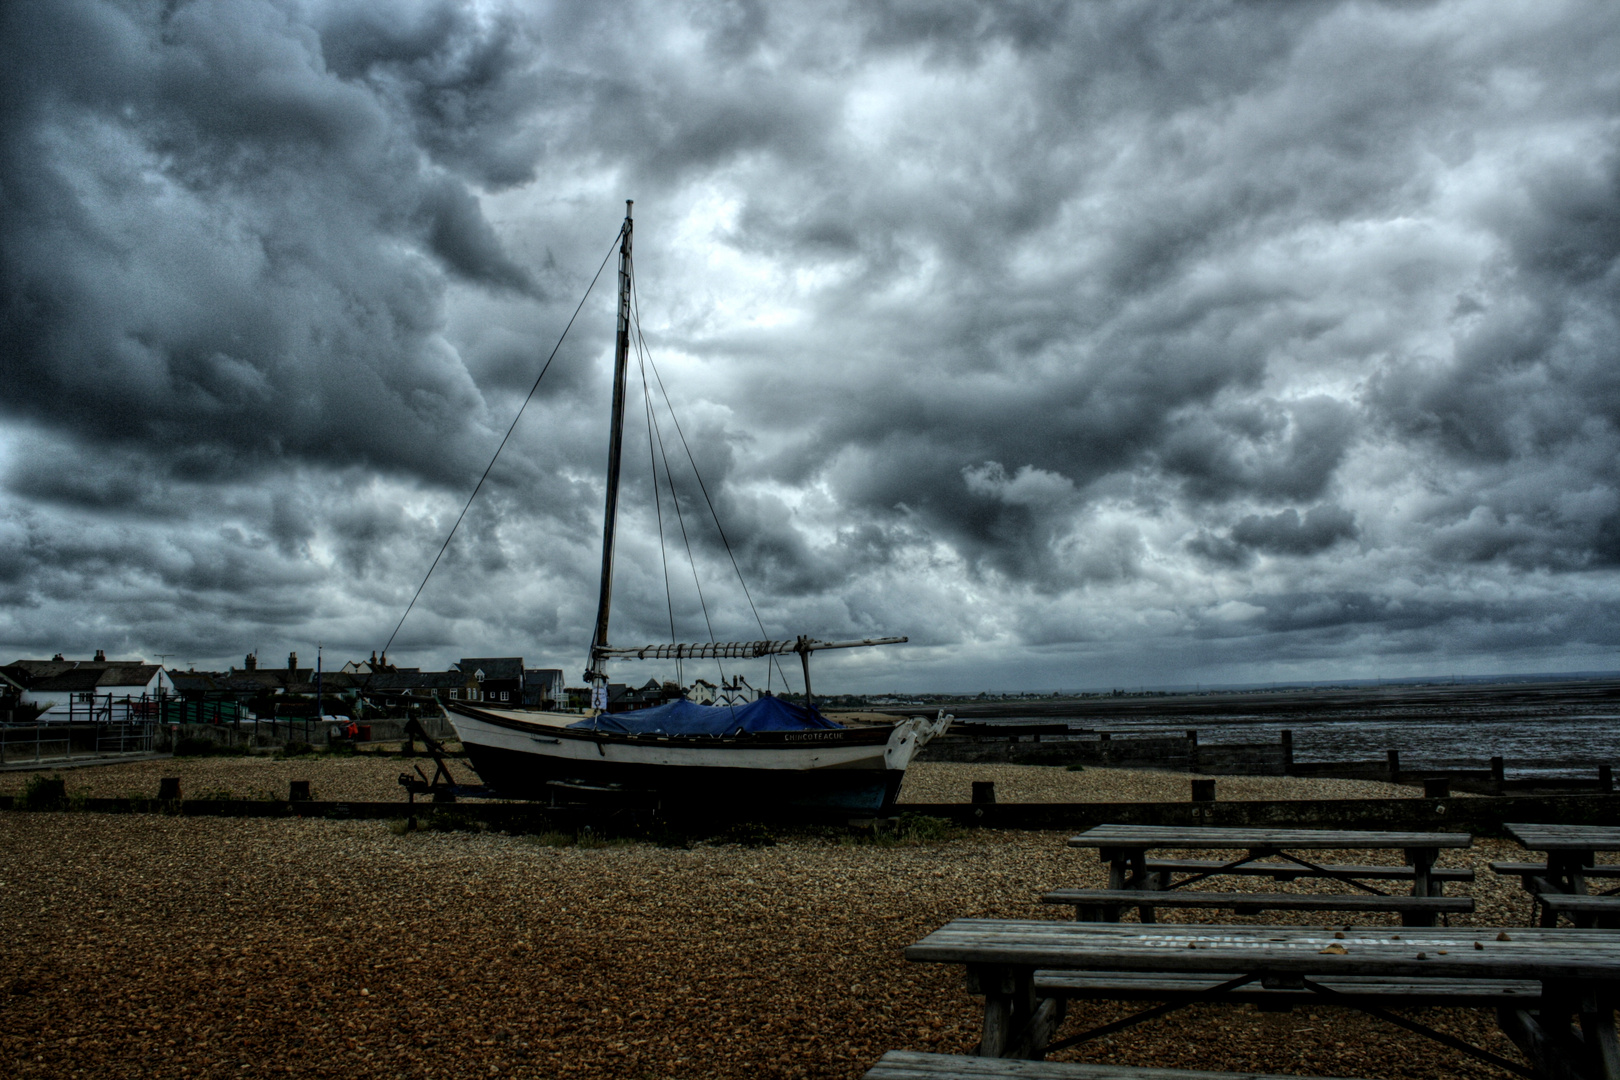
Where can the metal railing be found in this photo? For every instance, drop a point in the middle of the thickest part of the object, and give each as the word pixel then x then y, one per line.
pixel 62 741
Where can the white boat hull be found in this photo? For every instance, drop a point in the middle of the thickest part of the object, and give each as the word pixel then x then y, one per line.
pixel 859 769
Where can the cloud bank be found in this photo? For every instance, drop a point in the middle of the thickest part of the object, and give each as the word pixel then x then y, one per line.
pixel 1088 344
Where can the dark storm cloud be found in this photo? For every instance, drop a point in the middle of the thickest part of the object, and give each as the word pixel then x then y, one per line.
pixel 209 238
pixel 1099 327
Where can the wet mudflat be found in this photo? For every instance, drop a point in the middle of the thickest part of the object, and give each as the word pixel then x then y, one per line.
pixel 148 945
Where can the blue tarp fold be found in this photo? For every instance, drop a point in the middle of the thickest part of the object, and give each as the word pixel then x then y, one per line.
pixel 682 717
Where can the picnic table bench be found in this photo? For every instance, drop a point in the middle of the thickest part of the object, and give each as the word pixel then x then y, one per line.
pixel 1560 886
pixel 1281 996
pixel 1024 969
pixel 907 1065
pixel 1105 905
pixel 1134 880
pixel 1284 871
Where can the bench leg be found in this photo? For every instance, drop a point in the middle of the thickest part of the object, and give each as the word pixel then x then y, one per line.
pixel 1422 862
pixel 1549 1040
pixel 997 1024
pixel 1010 1010
pixel 1030 1043
pixel 1597 1027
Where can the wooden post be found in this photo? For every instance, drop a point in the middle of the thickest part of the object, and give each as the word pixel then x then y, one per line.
pixel 1394 766
pixel 298 791
pixel 169 789
pixel 1498 769
pixel 984 791
pixel 1606 777
pixel 1437 787
pixel 1422 861
pixel 1203 790
pixel 1287 751
pixel 804 656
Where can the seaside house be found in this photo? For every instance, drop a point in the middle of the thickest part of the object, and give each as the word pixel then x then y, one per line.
pixel 543 687
pixel 736 691
pixel 498 678
pixel 102 689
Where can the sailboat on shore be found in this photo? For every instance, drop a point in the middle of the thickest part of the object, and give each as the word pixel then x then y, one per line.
pixel 767 753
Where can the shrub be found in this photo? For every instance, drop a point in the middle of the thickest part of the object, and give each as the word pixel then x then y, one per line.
pixel 923 828
pixel 44 792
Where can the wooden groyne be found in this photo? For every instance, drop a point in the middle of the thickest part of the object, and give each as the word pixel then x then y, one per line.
pixel 1480 816
pixel 1062 745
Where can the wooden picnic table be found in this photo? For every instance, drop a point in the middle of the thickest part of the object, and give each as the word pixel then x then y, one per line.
pixel 1272 852
pixel 1561 885
pixel 1578 972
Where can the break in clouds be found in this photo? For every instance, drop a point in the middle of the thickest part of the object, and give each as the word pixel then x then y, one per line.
pixel 1088 344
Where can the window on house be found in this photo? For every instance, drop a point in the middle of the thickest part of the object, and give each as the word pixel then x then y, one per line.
pixel 503 695
pixel 455 695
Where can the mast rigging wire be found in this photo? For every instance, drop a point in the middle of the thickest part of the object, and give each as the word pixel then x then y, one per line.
pixel 710 502
pixel 679 516
pixel 658 505
pixel 645 352
pixel 479 486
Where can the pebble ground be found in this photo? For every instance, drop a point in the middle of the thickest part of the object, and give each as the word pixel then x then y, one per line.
pixel 145 945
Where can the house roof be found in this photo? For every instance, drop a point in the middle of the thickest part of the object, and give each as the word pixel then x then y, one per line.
pixel 419 680
pixel 494 667
pixel 541 676
pixel 195 681
pixel 107 672
pixel 91 676
pixel 241 679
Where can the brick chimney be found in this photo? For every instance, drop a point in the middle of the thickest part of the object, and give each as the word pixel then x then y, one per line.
pixel 101 656
pixel 252 662
pixel 292 665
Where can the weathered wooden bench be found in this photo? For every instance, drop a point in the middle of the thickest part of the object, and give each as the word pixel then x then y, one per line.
pixel 1539 869
pixel 909 1065
pixel 1104 905
pixel 1274 995
pixel 1583 910
pixel 1282 871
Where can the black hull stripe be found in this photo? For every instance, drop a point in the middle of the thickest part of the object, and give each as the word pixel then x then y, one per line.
pixel 518 774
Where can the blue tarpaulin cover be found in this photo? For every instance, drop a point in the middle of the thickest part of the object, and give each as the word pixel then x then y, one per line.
pixel 682 717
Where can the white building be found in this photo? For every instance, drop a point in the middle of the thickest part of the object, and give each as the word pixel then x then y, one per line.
pixel 88 687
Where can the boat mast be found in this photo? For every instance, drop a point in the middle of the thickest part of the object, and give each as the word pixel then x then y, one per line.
pixel 621 367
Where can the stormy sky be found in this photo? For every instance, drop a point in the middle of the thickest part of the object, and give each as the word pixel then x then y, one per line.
pixel 1088 344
